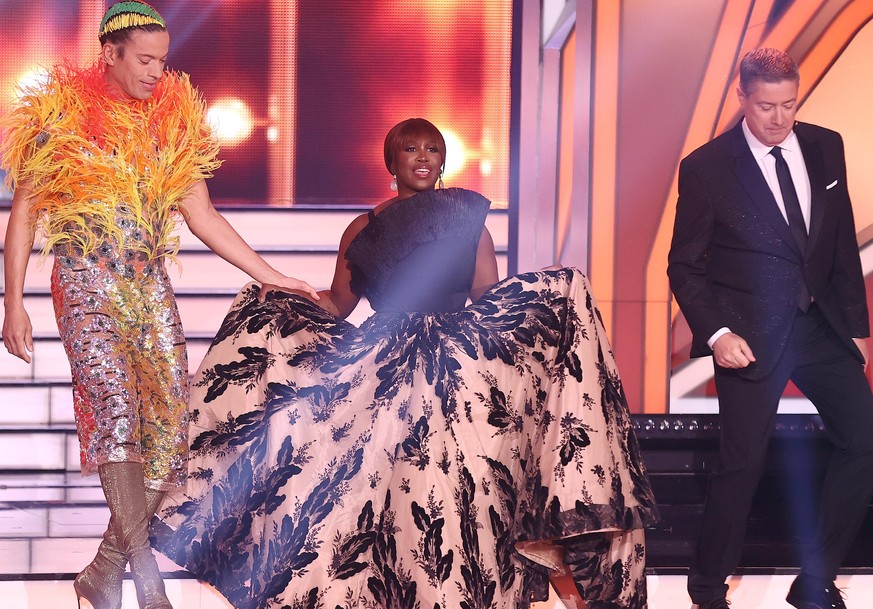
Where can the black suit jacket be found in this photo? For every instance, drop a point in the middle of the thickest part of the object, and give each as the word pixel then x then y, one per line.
pixel 734 263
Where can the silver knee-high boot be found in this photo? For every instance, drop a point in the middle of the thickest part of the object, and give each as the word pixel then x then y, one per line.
pixel 124 487
pixel 100 583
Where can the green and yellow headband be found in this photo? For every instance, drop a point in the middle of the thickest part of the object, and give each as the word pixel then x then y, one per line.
pixel 123 15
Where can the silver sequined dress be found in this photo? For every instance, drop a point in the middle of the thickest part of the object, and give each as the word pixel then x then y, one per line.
pixel 120 326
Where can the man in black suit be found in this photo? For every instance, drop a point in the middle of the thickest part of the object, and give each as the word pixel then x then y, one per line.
pixel 764 264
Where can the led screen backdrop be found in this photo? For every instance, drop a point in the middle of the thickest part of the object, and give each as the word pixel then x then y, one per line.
pixel 302 93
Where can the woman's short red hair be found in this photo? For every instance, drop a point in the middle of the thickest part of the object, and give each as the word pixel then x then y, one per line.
pixel 408 130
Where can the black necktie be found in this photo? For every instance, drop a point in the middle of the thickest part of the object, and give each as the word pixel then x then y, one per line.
pixel 795 216
pixel 789 198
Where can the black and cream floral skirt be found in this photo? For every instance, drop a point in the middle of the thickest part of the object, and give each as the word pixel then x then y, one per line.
pixel 417 462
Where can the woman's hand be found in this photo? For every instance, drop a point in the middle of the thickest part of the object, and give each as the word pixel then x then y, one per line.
pixel 290 285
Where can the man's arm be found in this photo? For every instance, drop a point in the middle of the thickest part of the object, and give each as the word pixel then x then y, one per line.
pixel 687 269
pixel 689 252
pixel 339 300
pixel 847 276
pixel 17 329
pixel 212 229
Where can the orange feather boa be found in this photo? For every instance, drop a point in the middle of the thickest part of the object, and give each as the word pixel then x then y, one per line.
pixel 83 152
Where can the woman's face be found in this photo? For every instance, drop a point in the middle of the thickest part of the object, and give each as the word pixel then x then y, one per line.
pixel 417 166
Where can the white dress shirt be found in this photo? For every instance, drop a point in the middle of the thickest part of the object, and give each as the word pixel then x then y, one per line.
pixel 794 158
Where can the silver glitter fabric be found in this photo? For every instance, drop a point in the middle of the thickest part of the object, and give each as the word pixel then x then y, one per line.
pixel 120 326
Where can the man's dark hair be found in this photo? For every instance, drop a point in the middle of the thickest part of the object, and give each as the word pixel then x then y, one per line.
pixel 121 37
pixel 767 65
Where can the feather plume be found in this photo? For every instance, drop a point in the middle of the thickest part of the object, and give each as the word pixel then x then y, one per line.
pixel 90 158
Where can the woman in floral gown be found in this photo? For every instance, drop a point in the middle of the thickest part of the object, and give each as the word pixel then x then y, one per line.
pixel 440 456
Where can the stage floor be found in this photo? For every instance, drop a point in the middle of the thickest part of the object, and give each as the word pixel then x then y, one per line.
pixel 665 592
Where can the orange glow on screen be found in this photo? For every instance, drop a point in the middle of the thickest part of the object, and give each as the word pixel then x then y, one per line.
pixel 231 120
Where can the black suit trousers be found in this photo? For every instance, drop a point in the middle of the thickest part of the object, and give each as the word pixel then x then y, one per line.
pixel 830 376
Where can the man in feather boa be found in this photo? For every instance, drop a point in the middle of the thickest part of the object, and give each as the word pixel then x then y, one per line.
pixel 103 160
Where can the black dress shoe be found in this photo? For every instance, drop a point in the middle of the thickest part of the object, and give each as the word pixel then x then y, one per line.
pixel 717 603
pixel 810 593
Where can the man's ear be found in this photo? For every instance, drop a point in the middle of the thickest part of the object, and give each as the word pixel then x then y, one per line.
pixel 108 53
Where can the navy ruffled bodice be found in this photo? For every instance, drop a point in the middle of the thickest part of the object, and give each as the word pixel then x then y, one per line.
pixel 419 254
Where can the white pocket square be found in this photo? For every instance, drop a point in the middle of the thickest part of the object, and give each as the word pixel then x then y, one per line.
pixel 831 185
